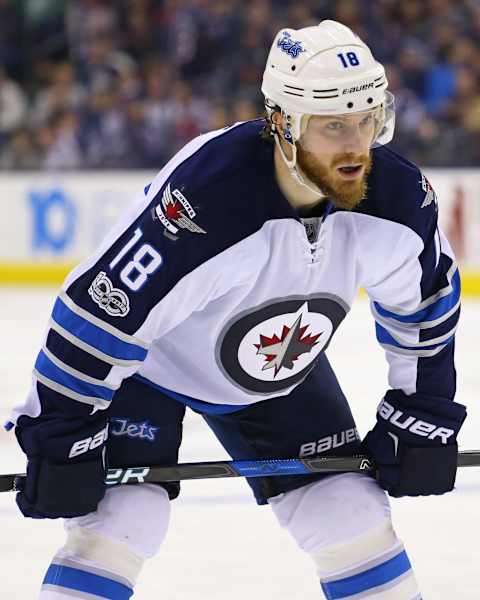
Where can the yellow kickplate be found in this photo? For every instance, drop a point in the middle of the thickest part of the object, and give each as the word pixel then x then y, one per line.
pixel 34 273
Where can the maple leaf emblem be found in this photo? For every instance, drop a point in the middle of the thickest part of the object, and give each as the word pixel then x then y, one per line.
pixel 173 211
pixel 284 350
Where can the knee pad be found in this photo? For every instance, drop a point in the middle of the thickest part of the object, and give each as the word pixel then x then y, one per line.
pixel 332 511
pixel 105 550
pixel 344 523
pixel 129 526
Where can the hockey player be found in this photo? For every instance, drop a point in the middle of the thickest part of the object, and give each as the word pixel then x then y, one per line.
pixel 220 289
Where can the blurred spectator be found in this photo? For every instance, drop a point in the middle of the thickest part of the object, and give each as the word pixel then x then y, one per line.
pixel 10 28
pixel 104 133
pixel 21 153
pixel 63 149
pixel 158 116
pixel 104 63
pixel 124 84
pixel 87 20
pixel 244 110
pixel 62 93
pixel 410 112
pixel 136 23
pixel 413 63
pixel 13 103
pixel 43 27
pixel 349 13
pixel 190 114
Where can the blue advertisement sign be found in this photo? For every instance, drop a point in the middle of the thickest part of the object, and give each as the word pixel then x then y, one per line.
pixel 53 220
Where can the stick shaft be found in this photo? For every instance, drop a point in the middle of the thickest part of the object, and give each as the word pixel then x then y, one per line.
pixel 239 468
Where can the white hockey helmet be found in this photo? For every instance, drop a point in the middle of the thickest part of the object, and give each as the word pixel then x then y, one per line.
pixel 325 69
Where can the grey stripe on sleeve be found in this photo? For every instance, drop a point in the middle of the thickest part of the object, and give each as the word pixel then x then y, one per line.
pixel 57 387
pixel 425 343
pixel 420 353
pixel 78 374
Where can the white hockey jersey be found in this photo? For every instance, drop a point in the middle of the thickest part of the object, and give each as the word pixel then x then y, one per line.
pixel 213 289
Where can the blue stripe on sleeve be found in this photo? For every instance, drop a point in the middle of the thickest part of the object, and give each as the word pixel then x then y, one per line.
pixel 430 313
pixel 82 581
pixel 95 336
pixel 384 337
pixel 47 368
pixel 379 575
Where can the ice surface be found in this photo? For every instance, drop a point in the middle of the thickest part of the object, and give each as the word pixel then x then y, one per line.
pixel 220 544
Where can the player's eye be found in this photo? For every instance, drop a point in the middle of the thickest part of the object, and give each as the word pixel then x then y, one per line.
pixel 335 125
pixel 366 120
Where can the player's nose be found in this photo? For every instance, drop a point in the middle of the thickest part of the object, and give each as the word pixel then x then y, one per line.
pixel 355 142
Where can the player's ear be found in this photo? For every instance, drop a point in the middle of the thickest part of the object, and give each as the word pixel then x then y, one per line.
pixel 279 121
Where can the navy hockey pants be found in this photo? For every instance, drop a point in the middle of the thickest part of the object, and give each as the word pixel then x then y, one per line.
pixel 313 420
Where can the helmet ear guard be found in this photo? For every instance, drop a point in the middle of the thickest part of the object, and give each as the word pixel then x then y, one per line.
pixel 295 124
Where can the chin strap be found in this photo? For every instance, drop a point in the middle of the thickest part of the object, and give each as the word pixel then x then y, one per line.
pixel 294 169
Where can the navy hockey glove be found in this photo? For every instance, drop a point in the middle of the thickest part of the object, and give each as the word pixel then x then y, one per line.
pixel 66 467
pixel 413 443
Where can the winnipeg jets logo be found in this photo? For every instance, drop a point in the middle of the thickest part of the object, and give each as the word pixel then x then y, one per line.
pixel 125 427
pixel 175 212
pixel 274 346
pixel 281 352
pixel 286 44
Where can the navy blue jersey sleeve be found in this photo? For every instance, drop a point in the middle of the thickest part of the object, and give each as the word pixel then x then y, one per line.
pixel 415 298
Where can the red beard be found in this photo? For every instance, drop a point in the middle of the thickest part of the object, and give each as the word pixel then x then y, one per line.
pixel 345 194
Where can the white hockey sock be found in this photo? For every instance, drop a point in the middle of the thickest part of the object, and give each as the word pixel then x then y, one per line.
pixel 343 522
pixel 67 578
pixel 387 576
pixel 106 549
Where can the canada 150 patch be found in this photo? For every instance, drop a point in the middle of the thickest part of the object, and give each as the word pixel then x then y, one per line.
pixel 275 346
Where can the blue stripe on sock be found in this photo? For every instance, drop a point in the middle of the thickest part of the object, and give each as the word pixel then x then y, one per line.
pixel 95 336
pixel 82 581
pixel 379 575
pixel 47 368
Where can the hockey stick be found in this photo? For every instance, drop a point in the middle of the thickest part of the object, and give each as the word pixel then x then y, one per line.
pixel 239 468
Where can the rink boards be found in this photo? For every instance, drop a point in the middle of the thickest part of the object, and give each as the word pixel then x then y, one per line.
pixel 51 221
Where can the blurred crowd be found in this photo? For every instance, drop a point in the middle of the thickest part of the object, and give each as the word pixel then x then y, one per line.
pixel 125 83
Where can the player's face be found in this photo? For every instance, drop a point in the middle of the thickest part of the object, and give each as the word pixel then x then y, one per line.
pixel 334 153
